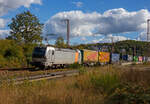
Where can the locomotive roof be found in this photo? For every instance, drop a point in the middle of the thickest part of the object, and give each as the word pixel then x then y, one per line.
pixel 65 49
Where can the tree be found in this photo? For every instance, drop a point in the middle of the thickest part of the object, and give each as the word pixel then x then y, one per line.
pixel 11 54
pixel 60 42
pixel 26 28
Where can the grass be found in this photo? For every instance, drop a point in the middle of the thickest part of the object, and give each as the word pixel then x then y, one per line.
pixel 98 85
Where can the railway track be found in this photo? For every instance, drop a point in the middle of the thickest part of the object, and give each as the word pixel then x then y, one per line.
pixel 33 69
pixel 47 76
pixel 15 69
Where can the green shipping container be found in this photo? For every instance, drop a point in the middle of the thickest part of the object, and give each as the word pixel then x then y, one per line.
pixel 135 58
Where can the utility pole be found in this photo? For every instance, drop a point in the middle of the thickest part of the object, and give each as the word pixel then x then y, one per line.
pixel 68 30
pixel 148 30
pixel 112 40
pixel 134 50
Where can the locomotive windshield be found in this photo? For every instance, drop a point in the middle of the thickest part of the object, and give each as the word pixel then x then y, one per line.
pixel 39 52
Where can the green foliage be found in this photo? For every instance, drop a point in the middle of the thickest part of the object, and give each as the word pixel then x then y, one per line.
pixel 25 34
pixel 75 66
pixel 129 94
pixel 60 42
pixel 105 82
pixel 28 49
pixel 11 54
pixel 26 28
pixel 142 48
pixel 82 70
pixel 14 55
pixel 2 61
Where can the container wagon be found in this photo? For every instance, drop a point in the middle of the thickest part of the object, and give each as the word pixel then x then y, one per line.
pixel 140 58
pixel 89 57
pixel 124 58
pixel 147 59
pixel 115 58
pixel 135 59
pixel 104 57
pixel 130 58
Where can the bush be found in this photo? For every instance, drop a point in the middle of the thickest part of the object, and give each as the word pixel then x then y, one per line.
pixel 13 55
pixel 129 94
pixel 105 82
pixel 2 61
pixel 75 66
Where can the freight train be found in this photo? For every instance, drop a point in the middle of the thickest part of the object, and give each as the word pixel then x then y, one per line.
pixel 48 56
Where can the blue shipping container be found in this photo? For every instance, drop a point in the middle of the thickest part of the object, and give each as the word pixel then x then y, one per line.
pixel 125 57
pixel 115 57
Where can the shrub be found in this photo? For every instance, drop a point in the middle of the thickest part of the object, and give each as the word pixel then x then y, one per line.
pixel 129 94
pixel 2 61
pixel 105 82
pixel 75 66
pixel 13 54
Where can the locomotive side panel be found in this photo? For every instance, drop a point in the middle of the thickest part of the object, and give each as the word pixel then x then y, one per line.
pixel 64 57
pixel 76 57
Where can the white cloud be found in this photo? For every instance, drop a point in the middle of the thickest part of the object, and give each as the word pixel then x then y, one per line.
pixel 89 24
pixel 7 5
pixel 78 4
pixel 83 39
pixel 142 36
pixel 4 33
pixel 2 23
pixel 80 24
pixel 109 38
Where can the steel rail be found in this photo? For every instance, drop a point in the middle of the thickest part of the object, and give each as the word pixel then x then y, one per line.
pixel 47 76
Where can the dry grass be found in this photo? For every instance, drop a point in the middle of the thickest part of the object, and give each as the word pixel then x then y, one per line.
pixel 90 87
pixel 54 92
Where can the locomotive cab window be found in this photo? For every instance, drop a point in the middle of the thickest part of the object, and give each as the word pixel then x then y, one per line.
pixel 53 52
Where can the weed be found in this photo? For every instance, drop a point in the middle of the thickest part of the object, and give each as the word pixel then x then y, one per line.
pixel 105 82
pixel 130 94
pixel 75 66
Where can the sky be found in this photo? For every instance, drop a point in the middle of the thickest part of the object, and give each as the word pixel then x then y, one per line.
pixel 91 21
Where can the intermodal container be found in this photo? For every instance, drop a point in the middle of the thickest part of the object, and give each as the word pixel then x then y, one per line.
pixel 89 56
pixel 115 57
pixel 130 58
pixel 144 59
pixel 148 59
pixel 125 57
pixel 104 57
pixel 135 58
pixel 140 58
